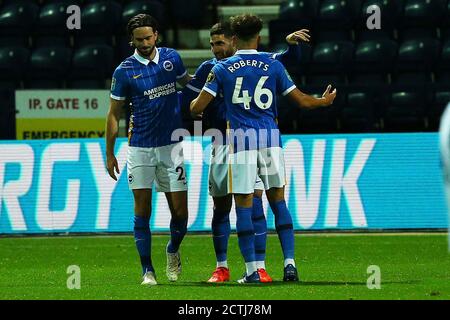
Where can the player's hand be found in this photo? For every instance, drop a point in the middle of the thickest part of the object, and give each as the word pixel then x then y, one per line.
pixel 329 95
pixel 197 116
pixel 297 36
pixel 111 164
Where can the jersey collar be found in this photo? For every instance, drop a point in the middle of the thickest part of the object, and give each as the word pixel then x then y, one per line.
pixel 146 61
pixel 249 51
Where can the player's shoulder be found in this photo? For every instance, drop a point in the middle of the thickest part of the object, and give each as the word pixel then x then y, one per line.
pixel 268 55
pixel 168 52
pixel 125 65
pixel 206 66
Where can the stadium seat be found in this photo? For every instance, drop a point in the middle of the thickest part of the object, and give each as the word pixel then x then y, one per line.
pixel 373 55
pixel 358 113
pixel 418 54
pixel 103 17
pixel 50 63
pixel 332 56
pixel 13 62
pixel 444 61
pixel 53 18
pixel 338 14
pixel 405 112
pixel 302 11
pixel 192 15
pixel 18 18
pixel 441 100
pixel 124 49
pixel 153 8
pixel 279 29
pixel 391 12
pixel 93 62
pixel 423 13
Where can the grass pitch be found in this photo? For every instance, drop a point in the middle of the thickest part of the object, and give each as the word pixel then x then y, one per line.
pixel 413 266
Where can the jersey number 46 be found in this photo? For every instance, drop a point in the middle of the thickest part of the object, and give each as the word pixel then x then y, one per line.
pixel 246 99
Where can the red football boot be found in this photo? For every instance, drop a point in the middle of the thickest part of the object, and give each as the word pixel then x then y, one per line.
pixel 264 276
pixel 221 274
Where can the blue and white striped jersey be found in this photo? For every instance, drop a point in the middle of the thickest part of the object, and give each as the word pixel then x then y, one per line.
pixel 250 82
pixel 151 88
pixel 215 113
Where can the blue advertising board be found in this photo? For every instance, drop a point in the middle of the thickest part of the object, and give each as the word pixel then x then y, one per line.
pixel 335 182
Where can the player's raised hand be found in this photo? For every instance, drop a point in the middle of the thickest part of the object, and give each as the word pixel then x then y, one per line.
pixel 329 95
pixel 111 164
pixel 297 36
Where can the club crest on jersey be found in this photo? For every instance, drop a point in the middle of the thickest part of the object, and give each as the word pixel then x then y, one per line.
pixel 211 77
pixel 130 178
pixel 168 65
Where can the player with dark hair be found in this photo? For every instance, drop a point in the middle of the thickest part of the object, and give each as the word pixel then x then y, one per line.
pixel 249 82
pixel 214 117
pixel 148 79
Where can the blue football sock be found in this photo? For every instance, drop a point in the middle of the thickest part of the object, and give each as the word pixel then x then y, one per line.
pixel 178 229
pixel 245 233
pixel 221 229
pixel 143 240
pixel 283 225
pixel 260 227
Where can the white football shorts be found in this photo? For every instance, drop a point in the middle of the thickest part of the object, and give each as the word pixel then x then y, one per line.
pixel 164 165
pixel 246 166
pixel 218 172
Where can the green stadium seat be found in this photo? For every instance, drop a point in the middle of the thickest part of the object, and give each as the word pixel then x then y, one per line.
pixel 192 15
pixel 13 62
pixel 302 11
pixel 103 17
pixel 50 63
pixel 153 8
pixel 444 62
pixel 332 56
pixel 93 62
pixel 358 113
pixel 373 55
pixel 18 17
pixel 423 13
pixel 391 12
pixel 338 14
pixel 418 54
pixel 53 18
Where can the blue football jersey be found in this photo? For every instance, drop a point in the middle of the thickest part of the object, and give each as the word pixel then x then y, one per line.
pixel 250 82
pixel 150 86
pixel 215 114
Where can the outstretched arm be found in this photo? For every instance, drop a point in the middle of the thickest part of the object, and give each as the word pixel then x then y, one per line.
pixel 293 52
pixel 304 100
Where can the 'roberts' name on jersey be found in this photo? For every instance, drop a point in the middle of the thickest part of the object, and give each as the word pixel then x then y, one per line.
pixel 249 63
pixel 163 90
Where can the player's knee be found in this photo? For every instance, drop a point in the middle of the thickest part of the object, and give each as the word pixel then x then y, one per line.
pixel 275 195
pixel 223 204
pixel 258 194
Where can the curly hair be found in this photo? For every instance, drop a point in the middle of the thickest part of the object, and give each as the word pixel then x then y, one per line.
pixel 246 26
pixel 141 20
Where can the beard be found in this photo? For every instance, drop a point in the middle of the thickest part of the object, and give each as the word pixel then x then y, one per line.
pixel 143 53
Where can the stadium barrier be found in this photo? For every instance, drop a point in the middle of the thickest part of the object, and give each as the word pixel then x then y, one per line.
pixel 335 182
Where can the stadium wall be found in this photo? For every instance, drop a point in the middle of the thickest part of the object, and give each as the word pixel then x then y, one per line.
pixel 335 182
